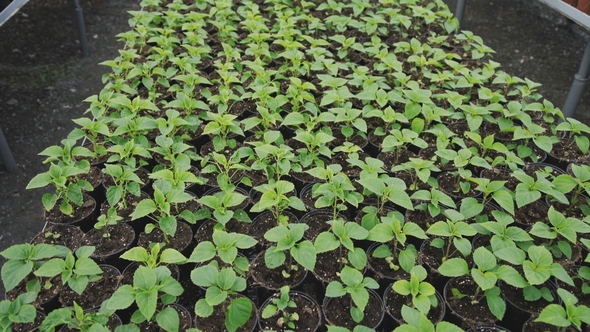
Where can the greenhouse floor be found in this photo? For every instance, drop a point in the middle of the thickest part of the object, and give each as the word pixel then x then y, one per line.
pixel 44 78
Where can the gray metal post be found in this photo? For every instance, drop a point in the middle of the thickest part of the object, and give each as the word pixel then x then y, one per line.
pixel 578 86
pixel 6 155
pixel 81 28
pixel 459 11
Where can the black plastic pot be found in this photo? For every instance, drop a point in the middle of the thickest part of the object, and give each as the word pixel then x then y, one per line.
pixel 397 316
pixel 314 312
pixel 329 307
pixel 85 222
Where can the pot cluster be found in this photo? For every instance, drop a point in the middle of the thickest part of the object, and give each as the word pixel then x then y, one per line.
pixel 308 166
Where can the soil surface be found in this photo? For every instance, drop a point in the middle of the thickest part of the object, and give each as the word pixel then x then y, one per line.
pixel 44 77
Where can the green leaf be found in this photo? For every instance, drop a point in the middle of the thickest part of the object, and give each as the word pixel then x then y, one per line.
pixel 172 256
pixel 496 303
pixel 215 296
pixel 168 319
pixel 203 252
pixel 504 199
pixel 136 254
pixel 144 208
pixel 554 314
pixel 326 241
pixel 304 253
pixel 203 309
pixel 122 298
pixel 14 271
pixel 144 278
pixel 147 302
pixel 204 276
pixel 274 258
pixel 454 267
pixel 335 289
pixel 51 268
pixel 238 313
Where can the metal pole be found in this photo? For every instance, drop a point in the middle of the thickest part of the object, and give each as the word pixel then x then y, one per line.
pixel 459 11
pixel 81 28
pixel 6 155
pixel 578 86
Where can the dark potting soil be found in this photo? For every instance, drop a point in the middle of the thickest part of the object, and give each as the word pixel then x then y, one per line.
pixel 183 314
pixel 127 275
pixel 465 307
pixel 423 218
pixel 531 326
pixel 205 232
pixel 574 209
pixel 307 198
pixel 350 170
pixel 317 221
pixel 109 240
pixel 50 289
pixel 64 235
pixel 273 278
pixel 96 292
pixel 142 173
pixel 516 297
pixel 94 177
pixel 122 211
pixel 567 150
pixel 28 327
pixel 551 170
pixel 113 322
pixel 308 311
pixel 446 183
pixel 179 241
pixel 584 299
pixel 391 158
pixel 531 213
pixel 264 222
pixel 337 312
pixel 408 179
pixel 382 268
pixel 80 212
pixel 433 256
pixel 216 322
pixel 394 302
pixel 328 265
pixel 497 174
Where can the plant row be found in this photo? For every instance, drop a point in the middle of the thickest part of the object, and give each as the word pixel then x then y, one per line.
pixel 256 159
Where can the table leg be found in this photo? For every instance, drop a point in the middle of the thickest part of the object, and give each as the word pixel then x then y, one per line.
pixel 6 155
pixel 578 86
pixel 81 27
pixel 459 11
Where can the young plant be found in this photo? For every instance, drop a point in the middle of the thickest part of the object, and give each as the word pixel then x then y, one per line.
pixel 280 306
pixel 572 314
pixel 67 193
pixel 421 293
pixel 163 208
pixel 126 181
pixel 417 321
pixel 22 259
pixel 289 246
pixel 275 198
pixel 225 246
pixel 393 232
pixel 151 288
pixel 560 227
pixel 336 191
pixel 221 284
pixel 76 271
pixel 18 311
pixel 354 284
pixel 387 189
pixel 451 235
pixel 340 236
pixel 76 319
pixel 224 203
pixel 575 186
pixel 155 257
pixel 486 273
